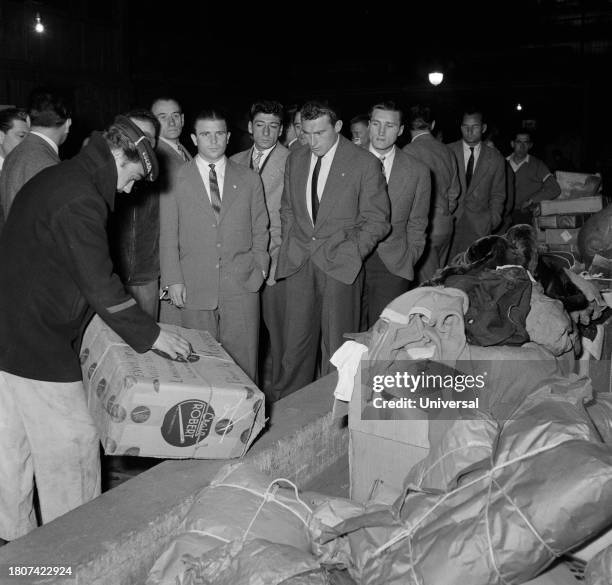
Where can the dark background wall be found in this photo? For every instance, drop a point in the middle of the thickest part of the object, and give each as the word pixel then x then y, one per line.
pixel 552 56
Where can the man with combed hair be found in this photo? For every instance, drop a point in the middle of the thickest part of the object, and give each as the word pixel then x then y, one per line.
pixel 214 243
pixel 482 173
pixel 389 269
pixel 14 127
pixel 445 189
pixel 267 157
pixel 50 123
pixel 59 275
pixel 334 210
pixel 530 177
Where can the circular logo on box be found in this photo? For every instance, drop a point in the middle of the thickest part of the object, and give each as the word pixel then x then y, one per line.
pixel 224 426
pixel 187 423
pixel 91 370
pixel 109 445
pixel 101 388
pixel 133 451
pixel 140 414
pixel 84 355
pixel 250 392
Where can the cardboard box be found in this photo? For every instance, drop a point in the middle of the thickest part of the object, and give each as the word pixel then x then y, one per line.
pixel 381 451
pixel 561 221
pixel 561 236
pixel 146 405
pixel 571 206
pixel 575 185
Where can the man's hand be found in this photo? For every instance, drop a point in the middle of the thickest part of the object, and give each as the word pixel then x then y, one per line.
pixel 178 295
pixel 172 344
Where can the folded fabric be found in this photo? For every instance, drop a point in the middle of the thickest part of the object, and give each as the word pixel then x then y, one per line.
pixel 346 359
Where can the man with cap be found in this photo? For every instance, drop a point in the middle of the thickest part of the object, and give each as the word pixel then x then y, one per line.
pixel 53 281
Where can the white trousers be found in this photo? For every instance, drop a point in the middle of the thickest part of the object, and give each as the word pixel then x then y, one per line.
pixel 47 433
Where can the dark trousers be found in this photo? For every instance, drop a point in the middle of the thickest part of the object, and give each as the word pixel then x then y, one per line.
pixel 380 288
pixel 273 317
pixel 435 256
pixel 319 309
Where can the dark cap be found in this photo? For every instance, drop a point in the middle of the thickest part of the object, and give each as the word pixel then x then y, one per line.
pixel 143 144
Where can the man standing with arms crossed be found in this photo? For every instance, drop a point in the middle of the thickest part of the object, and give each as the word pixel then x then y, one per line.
pixel 334 210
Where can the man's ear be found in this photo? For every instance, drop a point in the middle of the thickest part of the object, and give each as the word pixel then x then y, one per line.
pixel 433 125
pixel 338 126
pixel 401 130
pixel 484 128
pixel 2 137
pixel 250 129
pixel 194 139
pixel 228 136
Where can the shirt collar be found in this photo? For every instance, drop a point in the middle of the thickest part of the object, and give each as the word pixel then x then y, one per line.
pixel 219 165
pixel 466 147
pixel 47 140
pixel 170 143
pixel 389 156
pixel 515 166
pixel 265 152
pixel 329 155
pixel 422 133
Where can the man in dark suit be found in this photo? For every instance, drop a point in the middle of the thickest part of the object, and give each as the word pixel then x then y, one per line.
pixel 389 269
pixel 50 122
pixel 445 189
pixel 334 210
pixel 214 243
pixel 268 157
pixel 483 184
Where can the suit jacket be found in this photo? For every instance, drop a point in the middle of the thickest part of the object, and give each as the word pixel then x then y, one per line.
pixel 482 205
pixel 203 253
pixel 445 186
pixel 409 190
pixel 272 175
pixel 353 215
pixel 28 158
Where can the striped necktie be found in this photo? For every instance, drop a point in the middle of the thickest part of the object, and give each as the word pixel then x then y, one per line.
pixel 256 159
pixel 215 195
pixel 182 152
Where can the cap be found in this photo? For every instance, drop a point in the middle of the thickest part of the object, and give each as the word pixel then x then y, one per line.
pixel 142 142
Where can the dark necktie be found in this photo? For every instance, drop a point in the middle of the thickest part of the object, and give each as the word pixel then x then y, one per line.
pixel 215 196
pixel 382 164
pixel 314 196
pixel 469 172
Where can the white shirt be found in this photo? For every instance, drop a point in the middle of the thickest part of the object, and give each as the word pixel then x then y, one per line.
pixel 265 154
pixel 516 166
pixel 173 145
pixel 1 162
pixel 467 152
pixel 47 140
pixel 326 162
pixel 204 169
pixel 388 162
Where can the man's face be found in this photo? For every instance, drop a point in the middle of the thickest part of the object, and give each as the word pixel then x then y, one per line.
pixel 170 117
pixel 521 146
pixel 385 128
pixel 360 134
pixel 128 173
pixel 321 134
pixel 211 138
pixel 266 129
pixel 472 129
pixel 297 124
pixel 13 136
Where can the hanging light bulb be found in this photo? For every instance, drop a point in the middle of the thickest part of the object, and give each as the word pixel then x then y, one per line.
pixel 39 27
pixel 519 107
pixel 435 78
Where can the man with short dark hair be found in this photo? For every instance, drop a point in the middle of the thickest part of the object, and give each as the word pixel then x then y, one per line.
pixel 14 127
pixel 53 281
pixel 483 184
pixel 531 179
pixel 267 157
pixel 290 135
pixel 214 243
pixel 334 210
pixel 50 122
pixel 445 189
pixel 389 269
pixel 360 133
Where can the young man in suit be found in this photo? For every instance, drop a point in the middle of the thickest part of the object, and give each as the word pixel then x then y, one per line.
pixel 267 157
pixel 445 189
pixel 483 184
pixel 214 243
pixel 334 210
pixel 50 122
pixel 389 269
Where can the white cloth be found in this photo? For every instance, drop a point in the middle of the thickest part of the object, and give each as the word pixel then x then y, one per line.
pixel 467 152
pixel 46 432
pixel 204 169
pixel 346 359
pixel 48 140
pixel 326 163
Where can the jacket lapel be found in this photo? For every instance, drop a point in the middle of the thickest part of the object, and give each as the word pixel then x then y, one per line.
pixel 461 164
pixel 480 166
pixel 334 180
pixel 230 189
pixel 300 183
pixel 197 187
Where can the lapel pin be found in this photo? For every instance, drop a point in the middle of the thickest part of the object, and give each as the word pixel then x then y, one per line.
pixel 343 174
pixel 234 186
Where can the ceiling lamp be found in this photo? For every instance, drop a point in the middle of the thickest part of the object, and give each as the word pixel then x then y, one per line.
pixel 435 78
pixel 39 27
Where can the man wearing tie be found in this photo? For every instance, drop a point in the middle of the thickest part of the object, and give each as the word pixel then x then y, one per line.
pixel 334 210
pixel 214 243
pixel 482 173
pixel 389 269
pixel 268 157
